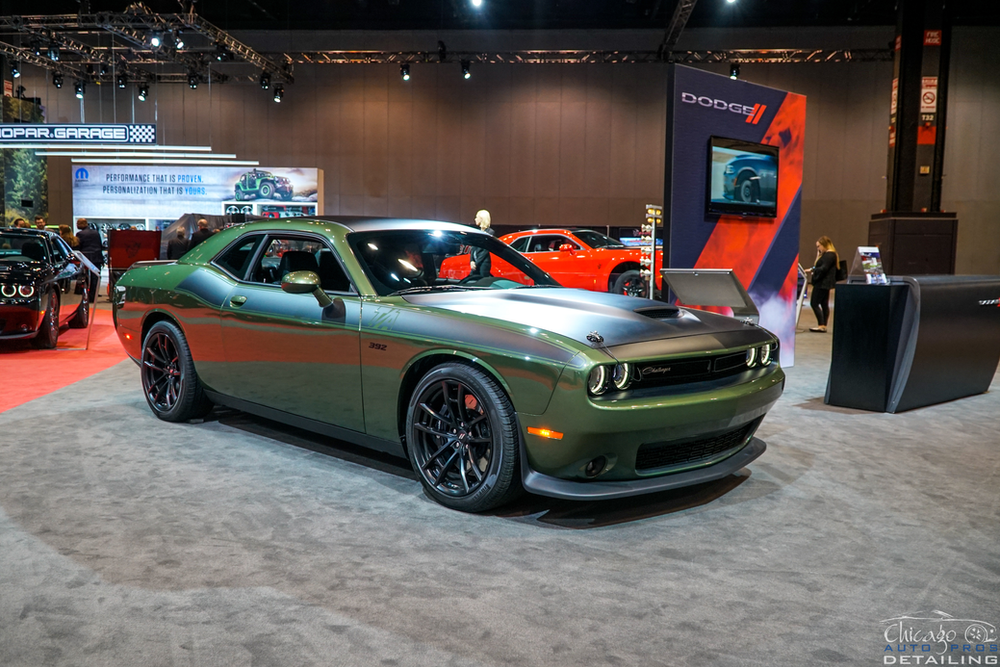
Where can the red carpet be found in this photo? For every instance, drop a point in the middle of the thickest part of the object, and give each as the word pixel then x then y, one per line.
pixel 27 373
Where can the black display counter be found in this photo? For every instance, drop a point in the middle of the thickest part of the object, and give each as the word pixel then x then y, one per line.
pixel 914 342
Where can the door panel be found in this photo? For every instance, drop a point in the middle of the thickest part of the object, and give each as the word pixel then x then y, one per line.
pixel 284 351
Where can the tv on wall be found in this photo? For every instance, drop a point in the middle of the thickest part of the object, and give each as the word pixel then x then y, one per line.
pixel 742 178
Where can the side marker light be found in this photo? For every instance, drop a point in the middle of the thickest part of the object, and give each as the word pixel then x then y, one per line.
pixel 545 433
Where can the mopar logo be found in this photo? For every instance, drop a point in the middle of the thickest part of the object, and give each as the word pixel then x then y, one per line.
pixel 990 302
pixel 753 113
pixel 81 174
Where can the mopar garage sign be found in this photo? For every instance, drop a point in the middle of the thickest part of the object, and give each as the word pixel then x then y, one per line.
pixel 28 133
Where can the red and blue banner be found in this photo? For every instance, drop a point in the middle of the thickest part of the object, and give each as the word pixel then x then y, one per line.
pixel 763 251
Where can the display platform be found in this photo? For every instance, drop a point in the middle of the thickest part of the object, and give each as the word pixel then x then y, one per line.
pixel 914 342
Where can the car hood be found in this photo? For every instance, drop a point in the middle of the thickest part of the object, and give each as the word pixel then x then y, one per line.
pixel 619 319
pixel 22 272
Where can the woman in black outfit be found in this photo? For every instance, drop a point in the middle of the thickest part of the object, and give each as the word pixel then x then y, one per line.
pixel 824 277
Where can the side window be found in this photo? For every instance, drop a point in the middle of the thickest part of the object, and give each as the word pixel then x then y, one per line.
pixel 284 254
pixel 237 258
pixel 521 244
pixel 59 253
pixel 546 243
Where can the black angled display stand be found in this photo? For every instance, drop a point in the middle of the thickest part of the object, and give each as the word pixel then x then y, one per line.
pixel 914 342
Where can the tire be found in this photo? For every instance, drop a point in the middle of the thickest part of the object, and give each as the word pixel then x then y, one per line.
pixel 82 317
pixel 239 195
pixel 266 190
pixel 747 191
pixel 462 439
pixel 48 331
pixel 169 381
pixel 631 283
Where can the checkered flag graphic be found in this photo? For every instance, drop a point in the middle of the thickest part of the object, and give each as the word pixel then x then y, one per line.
pixel 142 134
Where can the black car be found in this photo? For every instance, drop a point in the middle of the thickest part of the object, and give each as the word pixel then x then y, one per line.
pixel 43 286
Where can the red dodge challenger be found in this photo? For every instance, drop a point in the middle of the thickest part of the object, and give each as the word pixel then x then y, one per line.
pixel 585 259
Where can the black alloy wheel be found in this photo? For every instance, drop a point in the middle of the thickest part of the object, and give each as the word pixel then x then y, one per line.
pixel 82 317
pixel 48 331
pixel 169 381
pixel 631 283
pixel 461 437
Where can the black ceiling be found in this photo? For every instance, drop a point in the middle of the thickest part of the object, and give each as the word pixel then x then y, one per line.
pixel 516 14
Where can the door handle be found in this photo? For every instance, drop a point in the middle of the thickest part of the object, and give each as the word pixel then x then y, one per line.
pixel 237 301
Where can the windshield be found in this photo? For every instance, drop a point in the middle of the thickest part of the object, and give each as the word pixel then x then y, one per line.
pixel 15 247
pixel 596 239
pixel 420 260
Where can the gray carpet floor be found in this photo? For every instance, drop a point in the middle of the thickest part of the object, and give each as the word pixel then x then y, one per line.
pixel 129 541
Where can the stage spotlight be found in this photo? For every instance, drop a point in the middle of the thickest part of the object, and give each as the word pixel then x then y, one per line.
pixel 54 53
pixel 193 80
pixel 122 80
pixel 404 71
pixel 57 80
pixel 265 80
pixel 730 1
pixel 15 70
pixel 477 3
pixel 81 89
pixel 279 92
pixel 143 92
pixel 466 73
pixel 178 41
pixel 36 48
pixel 221 52
pixel 155 40
pixel 734 71
pixel 104 69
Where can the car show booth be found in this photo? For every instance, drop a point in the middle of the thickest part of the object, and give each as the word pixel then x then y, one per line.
pixel 732 186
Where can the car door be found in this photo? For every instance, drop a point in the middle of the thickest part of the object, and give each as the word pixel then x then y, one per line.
pixel 562 265
pixel 68 279
pixel 283 350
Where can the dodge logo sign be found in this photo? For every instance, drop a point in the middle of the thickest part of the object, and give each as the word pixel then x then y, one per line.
pixel 753 113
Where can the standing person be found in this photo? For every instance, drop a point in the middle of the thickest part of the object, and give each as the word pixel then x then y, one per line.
pixel 176 247
pixel 67 235
pixel 202 233
pixel 89 244
pixel 479 259
pixel 21 223
pixel 39 222
pixel 823 278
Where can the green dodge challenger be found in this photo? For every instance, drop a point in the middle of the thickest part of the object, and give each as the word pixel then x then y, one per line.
pixel 434 341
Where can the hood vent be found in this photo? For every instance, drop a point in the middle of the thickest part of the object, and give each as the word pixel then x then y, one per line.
pixel 658 313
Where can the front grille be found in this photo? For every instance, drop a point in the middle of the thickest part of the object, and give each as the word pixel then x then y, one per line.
pixel 670 454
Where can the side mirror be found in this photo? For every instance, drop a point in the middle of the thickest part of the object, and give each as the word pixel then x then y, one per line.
pixel 566 247
pixel 305 282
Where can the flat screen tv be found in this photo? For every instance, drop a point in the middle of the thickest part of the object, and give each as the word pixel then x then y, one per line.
pixel 742 178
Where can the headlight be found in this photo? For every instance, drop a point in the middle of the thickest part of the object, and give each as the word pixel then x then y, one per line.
pixel 751 357
pixel 8 290
pixel 729 169
pixel 622 376
pixel 597 381
pixel 26 290
pixel 765 354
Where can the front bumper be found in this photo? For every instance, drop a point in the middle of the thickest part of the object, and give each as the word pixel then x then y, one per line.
pixel 553 487
pixel 19 319
pixel 689 420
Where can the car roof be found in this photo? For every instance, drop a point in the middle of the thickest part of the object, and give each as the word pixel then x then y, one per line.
pixel 358 223
pixel 31 231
